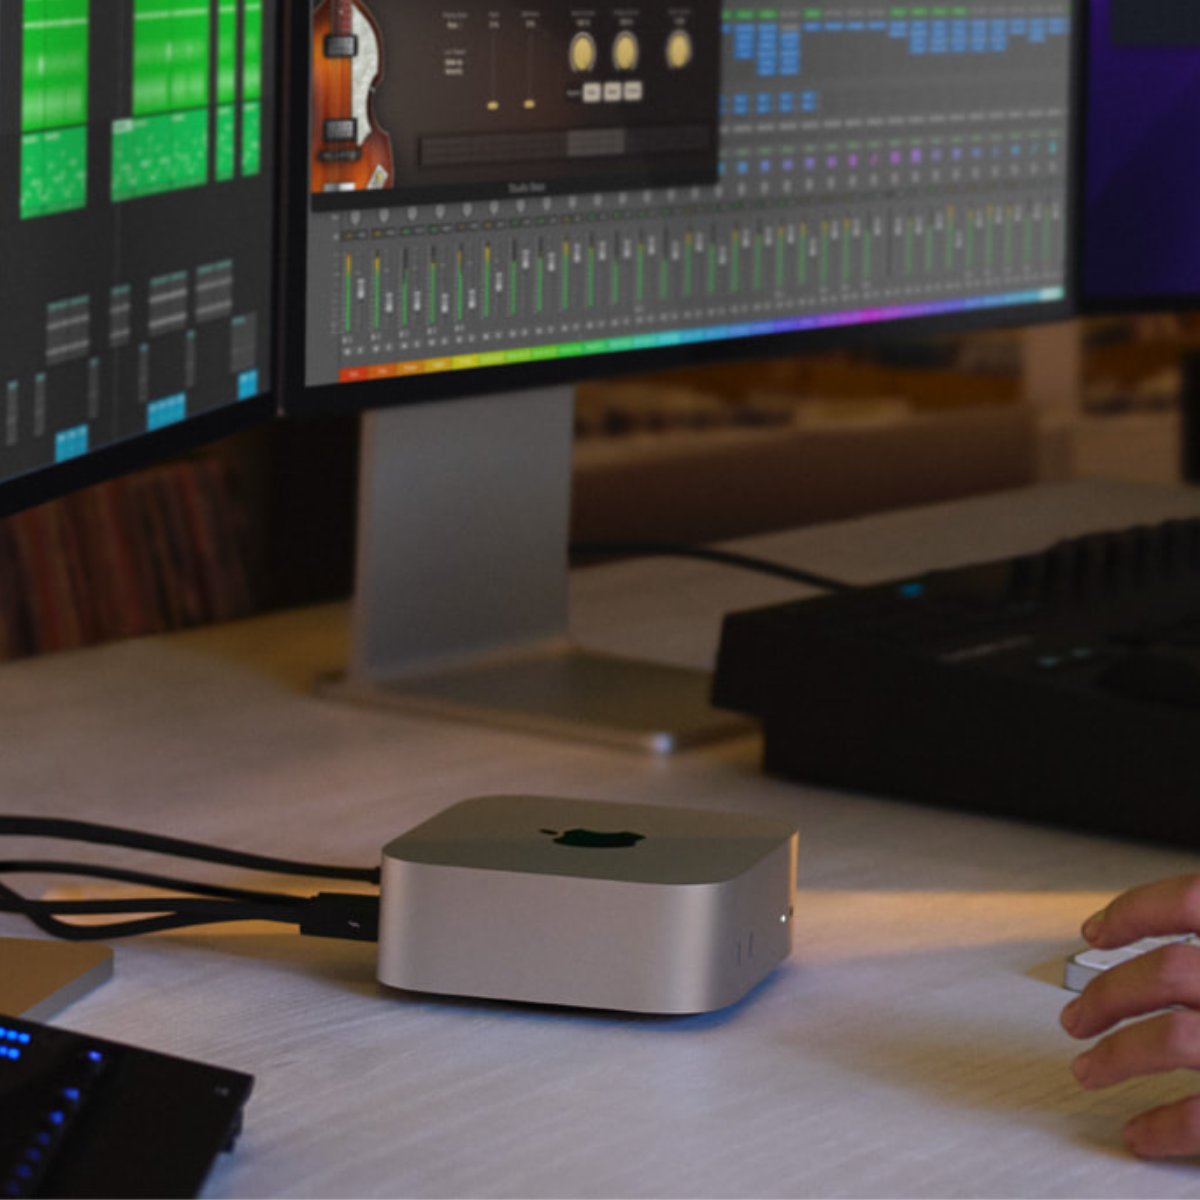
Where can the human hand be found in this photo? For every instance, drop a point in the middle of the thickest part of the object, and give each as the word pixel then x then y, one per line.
pixel 1162 979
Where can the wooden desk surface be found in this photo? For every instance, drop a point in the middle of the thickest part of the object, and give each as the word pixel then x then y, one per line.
pixel 910 1047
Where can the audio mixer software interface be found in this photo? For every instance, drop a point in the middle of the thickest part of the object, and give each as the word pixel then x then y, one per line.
pixel 500 182
pixel 136 218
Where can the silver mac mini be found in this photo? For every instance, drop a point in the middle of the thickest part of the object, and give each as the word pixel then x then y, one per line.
pixel 590 904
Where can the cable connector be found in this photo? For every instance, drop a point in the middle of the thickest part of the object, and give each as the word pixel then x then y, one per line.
pixel 341 915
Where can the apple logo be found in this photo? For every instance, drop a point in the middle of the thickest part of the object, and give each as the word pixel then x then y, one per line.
pixel 591 839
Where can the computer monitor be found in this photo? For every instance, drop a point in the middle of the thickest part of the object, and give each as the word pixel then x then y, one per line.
pixel 138 174
pixel 1142 178
pixel 502 195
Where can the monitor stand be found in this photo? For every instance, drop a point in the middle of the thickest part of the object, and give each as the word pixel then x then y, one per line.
pixel 461 595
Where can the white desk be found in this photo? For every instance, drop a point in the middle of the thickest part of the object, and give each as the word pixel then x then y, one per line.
pixel 910 1047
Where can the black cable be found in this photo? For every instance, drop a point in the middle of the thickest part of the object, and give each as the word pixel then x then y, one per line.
pixel 91 933
pixel 65 931
pixel 327 914
pixel 111 835
pixel 218 910
pixel 144 879
pixel 725 558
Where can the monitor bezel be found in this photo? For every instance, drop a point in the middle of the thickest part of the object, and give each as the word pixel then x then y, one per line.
pixel 132 454
pixel 301 399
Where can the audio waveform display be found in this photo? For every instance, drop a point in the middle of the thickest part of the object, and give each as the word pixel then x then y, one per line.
pixel 137 216
pixel 164 145
pixel 54 106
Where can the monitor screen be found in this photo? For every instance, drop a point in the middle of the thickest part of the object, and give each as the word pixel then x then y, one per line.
pixel 1141 233
pixel 137 218
pixel 503 193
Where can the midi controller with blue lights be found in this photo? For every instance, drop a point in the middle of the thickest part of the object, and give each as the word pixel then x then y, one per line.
pixel 80 1116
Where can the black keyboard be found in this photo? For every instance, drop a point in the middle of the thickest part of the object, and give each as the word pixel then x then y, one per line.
pixel 1061 686
pixel 84 1117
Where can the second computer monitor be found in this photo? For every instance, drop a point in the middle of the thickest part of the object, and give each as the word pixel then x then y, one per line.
pixel 137 231
pixel 1141 235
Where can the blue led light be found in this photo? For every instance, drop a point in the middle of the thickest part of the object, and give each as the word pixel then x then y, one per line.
pixel 71 1094
pixel 912 591
pixel 95 1056
pixel 55 1116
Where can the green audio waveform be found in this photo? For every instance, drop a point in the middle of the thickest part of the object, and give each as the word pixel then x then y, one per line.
pixel 54 106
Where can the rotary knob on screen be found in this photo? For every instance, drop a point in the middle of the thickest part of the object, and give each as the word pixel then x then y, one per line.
pixel 626 51
pixel 679 50
pixel 583 53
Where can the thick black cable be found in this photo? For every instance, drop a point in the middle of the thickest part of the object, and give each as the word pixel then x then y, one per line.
pixel 45 924
pixel 144 879
pixel 65 931
pixel 725 558
pixel 111 835
pixel 345 915
pixel 221 910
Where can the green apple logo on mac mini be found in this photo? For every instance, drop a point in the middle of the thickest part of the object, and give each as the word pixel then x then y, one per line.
pixel 591 839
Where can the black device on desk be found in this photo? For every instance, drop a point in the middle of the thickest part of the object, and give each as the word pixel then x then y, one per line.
pixel 1062 686
pixel 85 1117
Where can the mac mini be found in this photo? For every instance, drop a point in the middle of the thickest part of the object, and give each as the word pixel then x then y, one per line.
pixel 589 904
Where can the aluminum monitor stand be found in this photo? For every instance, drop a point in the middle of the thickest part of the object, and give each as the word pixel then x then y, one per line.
pixel 461 596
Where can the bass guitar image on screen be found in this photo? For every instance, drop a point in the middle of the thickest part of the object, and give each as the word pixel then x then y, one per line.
pixel 351 153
